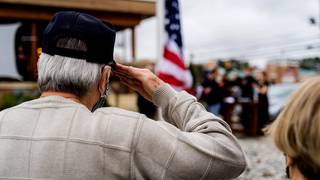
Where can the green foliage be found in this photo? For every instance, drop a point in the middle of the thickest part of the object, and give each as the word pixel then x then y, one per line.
pixel 233 64
pixel 311 64
pixel 14 98
pixel 196 71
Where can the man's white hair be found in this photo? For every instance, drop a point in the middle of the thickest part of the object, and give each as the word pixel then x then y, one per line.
pixel 64 74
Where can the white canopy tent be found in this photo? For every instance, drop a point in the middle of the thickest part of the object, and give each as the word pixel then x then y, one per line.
pixel 8 66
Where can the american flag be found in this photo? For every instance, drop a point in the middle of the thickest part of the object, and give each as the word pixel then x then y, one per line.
pixel 171 67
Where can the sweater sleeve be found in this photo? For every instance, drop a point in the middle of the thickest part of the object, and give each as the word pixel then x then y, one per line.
pixel 190 144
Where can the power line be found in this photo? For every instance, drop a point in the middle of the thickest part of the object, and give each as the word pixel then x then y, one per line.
pixel 259 45
pixel 273 54
pixel 275 38
pixel 284 53
pixel 269 42
pixel 303 53
pixel 304 44
pixel 282 48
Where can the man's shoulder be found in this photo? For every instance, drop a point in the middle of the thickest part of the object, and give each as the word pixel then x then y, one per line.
pixel 121 126
pixel 118 112
pixel 4 111
pixel 13 108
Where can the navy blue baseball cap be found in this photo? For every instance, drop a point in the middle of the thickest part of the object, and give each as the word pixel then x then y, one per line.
pixel 98 36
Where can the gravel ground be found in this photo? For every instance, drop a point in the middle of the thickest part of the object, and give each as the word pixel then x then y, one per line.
pixel 265 161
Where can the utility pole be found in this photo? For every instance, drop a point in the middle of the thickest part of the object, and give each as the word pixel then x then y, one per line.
pixel 319 20
pixel 319 17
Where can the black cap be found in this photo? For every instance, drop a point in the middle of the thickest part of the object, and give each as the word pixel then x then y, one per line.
pixel 98 36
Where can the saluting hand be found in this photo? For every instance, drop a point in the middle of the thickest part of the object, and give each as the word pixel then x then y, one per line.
pixel 141 80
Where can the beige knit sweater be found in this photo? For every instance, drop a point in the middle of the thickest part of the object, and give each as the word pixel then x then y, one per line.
pixel 56 138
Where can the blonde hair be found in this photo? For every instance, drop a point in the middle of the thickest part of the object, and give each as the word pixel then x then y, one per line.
pixel 296 131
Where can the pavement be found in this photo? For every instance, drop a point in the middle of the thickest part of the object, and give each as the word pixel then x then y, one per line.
pixel 264 160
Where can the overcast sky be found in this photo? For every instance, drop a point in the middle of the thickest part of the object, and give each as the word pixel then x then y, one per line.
pixel 248 29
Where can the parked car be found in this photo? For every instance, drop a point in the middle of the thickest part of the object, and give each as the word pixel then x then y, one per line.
pixel 278 95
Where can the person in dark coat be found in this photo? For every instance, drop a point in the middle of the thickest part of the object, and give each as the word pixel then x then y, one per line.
pixel 263 101
pixel 212 92
pixel 247 96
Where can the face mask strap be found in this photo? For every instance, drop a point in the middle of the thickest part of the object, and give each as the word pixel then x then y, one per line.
pixel 103 98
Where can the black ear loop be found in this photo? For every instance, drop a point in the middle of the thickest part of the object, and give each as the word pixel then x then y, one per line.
pixel 103 99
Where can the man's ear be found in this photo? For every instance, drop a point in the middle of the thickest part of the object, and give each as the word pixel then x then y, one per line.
pixel 104 79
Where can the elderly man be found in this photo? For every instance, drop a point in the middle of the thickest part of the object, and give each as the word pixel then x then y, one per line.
pixel 64 135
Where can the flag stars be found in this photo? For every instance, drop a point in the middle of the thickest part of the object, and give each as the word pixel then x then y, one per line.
pixel 174 37
pixel 175 5
pixel 167 22
pixel 174 27
pixel 172 21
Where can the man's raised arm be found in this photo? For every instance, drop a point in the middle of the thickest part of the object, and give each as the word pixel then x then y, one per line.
pixel 195 145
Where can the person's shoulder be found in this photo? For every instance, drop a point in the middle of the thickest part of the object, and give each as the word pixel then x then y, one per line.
pixel 4 111
pixel 121 126
pixel 13 108
pixel 118 112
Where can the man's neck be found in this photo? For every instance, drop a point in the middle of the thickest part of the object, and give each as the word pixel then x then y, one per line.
pixel 87 100
pixel 63 94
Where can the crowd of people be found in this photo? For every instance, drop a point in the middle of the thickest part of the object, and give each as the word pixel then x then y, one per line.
pixel 222 89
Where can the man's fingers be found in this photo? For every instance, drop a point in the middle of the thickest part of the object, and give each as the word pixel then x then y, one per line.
pixel 141 80
pixel 128 81
pixel 123 69
pixel 136 86
pixel 129 70
pixel 124 75
pixel 121 74
pixel 129 84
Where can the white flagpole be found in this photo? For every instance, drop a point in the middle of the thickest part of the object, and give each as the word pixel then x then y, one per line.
pixel 160 28
pixel 160 42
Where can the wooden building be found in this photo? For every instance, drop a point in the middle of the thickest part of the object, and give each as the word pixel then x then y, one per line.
pixel 35 14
